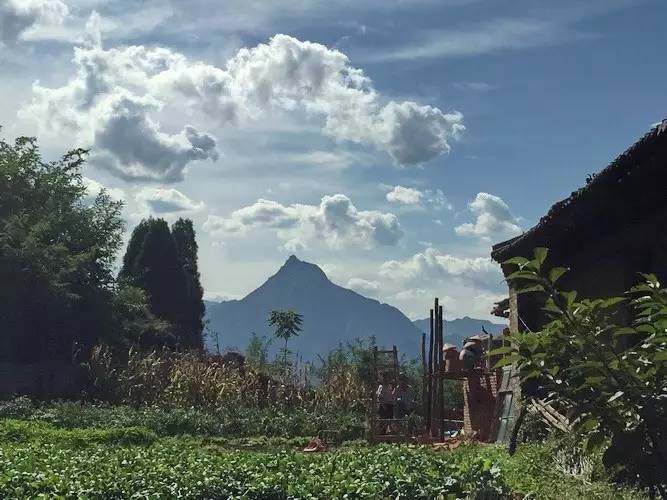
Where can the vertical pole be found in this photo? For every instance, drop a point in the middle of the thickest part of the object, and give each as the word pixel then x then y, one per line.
pixel 437 367
pixel 429 401
pixel 396 370
pixel 373 410
pixel 441 396
pixel 424 375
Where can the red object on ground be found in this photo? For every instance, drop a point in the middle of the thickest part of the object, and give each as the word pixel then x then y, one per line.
pixel 315 445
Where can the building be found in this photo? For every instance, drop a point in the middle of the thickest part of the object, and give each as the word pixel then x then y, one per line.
pixel 605 232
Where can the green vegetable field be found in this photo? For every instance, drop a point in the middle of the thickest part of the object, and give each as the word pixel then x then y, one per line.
pixel 38 459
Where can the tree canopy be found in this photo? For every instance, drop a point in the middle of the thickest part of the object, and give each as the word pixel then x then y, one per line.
pixel 163 262
pixel 56 255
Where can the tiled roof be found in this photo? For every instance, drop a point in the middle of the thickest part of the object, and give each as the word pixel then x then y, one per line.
pixel 631 185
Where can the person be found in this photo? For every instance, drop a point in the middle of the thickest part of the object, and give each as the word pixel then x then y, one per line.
pixel 471 353
pixel 404 395
pixel 385 398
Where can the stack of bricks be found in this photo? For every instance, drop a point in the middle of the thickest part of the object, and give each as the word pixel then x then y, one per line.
pixel 480 394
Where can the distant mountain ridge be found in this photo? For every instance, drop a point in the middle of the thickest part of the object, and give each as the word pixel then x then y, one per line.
pixel 331 314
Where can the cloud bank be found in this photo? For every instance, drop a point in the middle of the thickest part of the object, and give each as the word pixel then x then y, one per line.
pixel 335 221
pixel 432 266
pixel 166 200
pixel 115 101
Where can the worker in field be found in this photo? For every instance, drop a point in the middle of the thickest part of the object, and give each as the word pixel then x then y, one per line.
pixel 404 396
pixel 385 397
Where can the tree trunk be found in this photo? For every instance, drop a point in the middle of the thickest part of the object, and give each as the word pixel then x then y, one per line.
pixel 515 431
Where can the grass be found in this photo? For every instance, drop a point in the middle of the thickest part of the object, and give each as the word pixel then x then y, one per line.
pixel 40 458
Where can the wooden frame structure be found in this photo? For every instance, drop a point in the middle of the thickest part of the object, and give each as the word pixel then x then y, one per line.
pixel 436 368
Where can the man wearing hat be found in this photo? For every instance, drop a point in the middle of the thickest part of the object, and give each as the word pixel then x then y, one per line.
pixel 471 353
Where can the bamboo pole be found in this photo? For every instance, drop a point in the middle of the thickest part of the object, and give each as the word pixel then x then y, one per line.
pixel 441 396
pixel 429 401
pixel 437 367
pixel 424 374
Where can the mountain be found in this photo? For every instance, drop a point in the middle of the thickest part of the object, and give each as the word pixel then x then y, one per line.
pixel 457 329
pixel 331 314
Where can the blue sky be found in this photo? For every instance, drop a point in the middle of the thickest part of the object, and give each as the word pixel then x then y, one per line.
pixel 389 142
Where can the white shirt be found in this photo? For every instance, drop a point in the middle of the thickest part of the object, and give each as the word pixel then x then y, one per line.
pixel 384 394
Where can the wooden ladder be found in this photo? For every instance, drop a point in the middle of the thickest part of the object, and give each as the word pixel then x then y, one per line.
pixel 384 362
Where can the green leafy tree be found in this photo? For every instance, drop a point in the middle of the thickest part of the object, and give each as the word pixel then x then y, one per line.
pixel 57 253
pixel 607 376
pixel 192 320
pixel 135 324
pixel 287 324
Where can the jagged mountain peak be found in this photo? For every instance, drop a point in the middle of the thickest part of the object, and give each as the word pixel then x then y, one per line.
pixel 295 269
pixel 331 315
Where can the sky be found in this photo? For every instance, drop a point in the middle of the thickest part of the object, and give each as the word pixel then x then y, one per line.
pixel 390 142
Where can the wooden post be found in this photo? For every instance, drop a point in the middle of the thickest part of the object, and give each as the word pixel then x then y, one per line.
pixel 429 409
pixel 441 395
pixel 424 374
pixel 396 370
pixel 373 409
pixel 437 366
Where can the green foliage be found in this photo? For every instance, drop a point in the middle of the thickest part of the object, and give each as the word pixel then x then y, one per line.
pixel 609 377
pixel 185 469
pixel 57 252
pixel 70 449
pixel 124 462
pixel 538 470
pixel 17 431
pixel 192 320
pixel 163 263
pixel 257 352
pixel 228 423
pixel 287 324
pixel 155 269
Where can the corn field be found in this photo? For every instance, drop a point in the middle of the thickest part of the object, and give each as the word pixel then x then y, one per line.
pixel 194 379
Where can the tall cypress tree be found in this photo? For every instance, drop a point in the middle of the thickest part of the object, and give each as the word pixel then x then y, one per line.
pixel 151 262
pixel 192 320
pixel 130 270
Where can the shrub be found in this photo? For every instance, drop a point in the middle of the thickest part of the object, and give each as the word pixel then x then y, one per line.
pixel 609 377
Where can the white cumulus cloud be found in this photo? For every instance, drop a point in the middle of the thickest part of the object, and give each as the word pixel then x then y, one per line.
pixel 405 195
pixel 414 197
pixel 493 220
pixel 335 221
pixel 166 200
pixel 114 101
pixel 432 266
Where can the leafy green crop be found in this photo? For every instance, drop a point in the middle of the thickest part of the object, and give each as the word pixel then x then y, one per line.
pixel 232 422
pixel 39 459
pixel 174 469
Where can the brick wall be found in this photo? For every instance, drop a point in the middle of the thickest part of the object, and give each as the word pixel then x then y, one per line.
pixel 480 401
